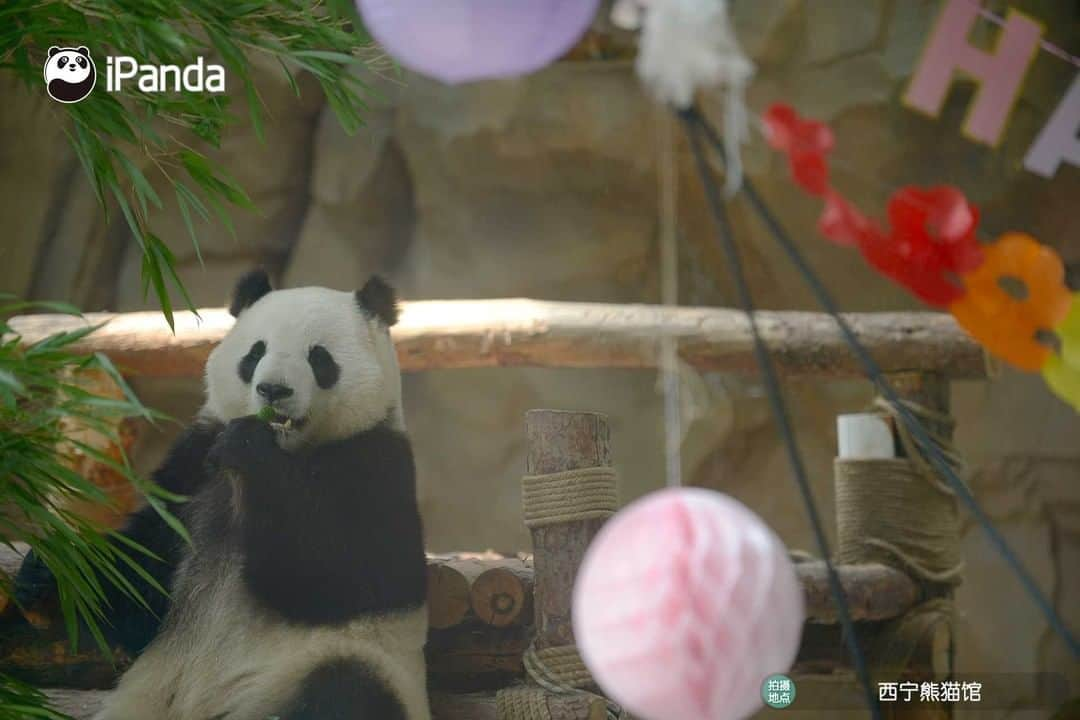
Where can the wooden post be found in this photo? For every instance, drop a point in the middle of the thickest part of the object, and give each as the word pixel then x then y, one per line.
pixel 560 441
pixel 931 391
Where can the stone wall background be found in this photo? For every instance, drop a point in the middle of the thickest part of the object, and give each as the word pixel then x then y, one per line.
pixel 546 187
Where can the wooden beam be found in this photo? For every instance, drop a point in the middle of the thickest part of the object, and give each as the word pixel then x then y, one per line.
pixel 874 592
pixel 444 334
pixel 474 655
pixel 84 704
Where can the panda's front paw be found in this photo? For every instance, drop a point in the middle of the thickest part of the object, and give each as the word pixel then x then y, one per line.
pixel 246 444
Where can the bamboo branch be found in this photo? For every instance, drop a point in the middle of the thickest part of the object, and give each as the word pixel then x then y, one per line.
pixel 443 334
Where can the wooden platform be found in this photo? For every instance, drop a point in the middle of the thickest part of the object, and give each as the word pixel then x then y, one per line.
pixel 82 704
pixel 471 655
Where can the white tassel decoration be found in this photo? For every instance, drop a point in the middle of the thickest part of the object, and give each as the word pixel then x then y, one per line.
pixel 687 45
pixel 627 14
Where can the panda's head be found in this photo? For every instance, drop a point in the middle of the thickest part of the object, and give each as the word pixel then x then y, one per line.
pixel 321 359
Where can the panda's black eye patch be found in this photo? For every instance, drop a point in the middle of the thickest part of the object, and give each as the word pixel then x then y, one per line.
pixel 81 61
pixel 323 366
pixel 62 61
pixel 246 368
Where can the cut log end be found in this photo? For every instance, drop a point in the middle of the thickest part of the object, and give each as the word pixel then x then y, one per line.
pixel 502 595
pixel 450 590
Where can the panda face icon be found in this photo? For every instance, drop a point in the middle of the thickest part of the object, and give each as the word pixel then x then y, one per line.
pixel 70 74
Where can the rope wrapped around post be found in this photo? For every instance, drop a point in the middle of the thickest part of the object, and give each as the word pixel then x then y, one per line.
pixel 579 494
pixel 899 512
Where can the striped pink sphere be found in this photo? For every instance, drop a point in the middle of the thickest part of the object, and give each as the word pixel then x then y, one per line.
pixel 686 601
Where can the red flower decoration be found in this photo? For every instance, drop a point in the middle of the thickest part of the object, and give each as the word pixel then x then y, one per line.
pixel 942 217
pixel 842 222
pixel 932 242
pixel 806 143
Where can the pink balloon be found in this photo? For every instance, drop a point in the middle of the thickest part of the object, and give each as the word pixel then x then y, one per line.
pixel 459 41
pixel 686 601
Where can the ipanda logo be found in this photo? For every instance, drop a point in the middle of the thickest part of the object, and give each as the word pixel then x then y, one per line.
pixel 70 75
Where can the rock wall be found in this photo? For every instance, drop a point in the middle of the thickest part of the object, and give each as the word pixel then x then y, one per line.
pixel 547 187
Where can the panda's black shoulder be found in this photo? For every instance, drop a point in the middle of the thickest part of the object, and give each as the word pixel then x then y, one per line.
pixel 382 448
pixel 384 438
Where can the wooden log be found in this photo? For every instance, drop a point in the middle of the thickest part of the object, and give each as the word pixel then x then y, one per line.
pixel 874 592
pixel 481 706
pixel 75 454
pixel 476 656
pixel 473 655
pixel 84 704
pixel 560 441
pixel 43 656
pixel 80 440
pixel 118 488
pixel 443 334
pixel 502 595
pixel 450 590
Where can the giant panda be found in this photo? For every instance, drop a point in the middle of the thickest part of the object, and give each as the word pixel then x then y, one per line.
pixel 302 593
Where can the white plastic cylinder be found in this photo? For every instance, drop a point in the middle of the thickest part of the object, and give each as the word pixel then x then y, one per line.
pixel 863 436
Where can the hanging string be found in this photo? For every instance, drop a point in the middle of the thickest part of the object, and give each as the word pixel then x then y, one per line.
pixel 777 403
pixel 1044 45
pixel 669 294
pixel 933 453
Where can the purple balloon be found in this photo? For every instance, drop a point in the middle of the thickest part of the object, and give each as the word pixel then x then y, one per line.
pixel 457 41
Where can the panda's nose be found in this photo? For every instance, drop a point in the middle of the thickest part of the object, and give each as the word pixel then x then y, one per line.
pixel 274 391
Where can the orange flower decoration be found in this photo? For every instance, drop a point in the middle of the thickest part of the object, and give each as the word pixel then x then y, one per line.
pixel 1007 323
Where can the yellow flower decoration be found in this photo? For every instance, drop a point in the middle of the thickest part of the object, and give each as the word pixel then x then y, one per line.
pixel 1062 370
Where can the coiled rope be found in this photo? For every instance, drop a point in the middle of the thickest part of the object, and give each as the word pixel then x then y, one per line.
pixel 550 499
pixel 898 511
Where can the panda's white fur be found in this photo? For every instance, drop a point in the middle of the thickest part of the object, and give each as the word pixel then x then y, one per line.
pixel 364 394
pixel 220 655
pixel 228 662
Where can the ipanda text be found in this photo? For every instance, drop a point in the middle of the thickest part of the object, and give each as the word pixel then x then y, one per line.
pixel 197 77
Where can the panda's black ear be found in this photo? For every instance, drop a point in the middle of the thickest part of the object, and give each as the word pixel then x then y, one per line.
pixel 249 289
pixel 377 298
pixel 53 50
pixel 83 50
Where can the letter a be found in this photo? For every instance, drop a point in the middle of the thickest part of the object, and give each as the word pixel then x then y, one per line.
pixel 1058 140
pixel 998 73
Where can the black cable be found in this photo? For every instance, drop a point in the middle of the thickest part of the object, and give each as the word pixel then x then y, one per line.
pixel 933 453
pixel 779 408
